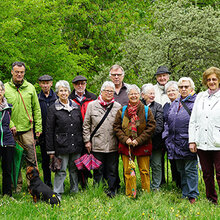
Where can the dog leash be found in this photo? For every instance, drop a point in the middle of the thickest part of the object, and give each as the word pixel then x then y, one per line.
pixel 31 121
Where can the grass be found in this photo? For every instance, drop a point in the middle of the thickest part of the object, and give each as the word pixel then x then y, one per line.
pixel 93 203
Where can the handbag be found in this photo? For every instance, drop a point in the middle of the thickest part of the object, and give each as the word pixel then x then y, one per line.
pixel 55 164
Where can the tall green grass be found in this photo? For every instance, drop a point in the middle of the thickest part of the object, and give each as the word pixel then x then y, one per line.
pixel 93 203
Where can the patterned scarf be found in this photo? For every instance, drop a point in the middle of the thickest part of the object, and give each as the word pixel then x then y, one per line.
pixel 103 103
pixel 134 120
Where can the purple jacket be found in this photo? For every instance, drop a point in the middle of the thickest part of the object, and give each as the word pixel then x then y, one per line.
pixel 176 130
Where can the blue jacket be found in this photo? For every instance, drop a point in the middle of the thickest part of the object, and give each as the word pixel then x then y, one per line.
pixel 176 130
pixel 45 103
pixel 4 129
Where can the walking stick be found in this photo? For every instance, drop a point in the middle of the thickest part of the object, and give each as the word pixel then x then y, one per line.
pixel 167 170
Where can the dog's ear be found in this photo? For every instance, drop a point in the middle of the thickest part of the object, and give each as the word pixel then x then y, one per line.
pixel 29 173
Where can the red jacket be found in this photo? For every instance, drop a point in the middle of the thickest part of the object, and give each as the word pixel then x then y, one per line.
pixel 88 97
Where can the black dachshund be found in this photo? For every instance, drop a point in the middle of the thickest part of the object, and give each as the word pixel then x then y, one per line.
pixel 38 189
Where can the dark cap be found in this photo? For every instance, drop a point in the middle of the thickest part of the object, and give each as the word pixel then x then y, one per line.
pixel 45 78
pixel 79 78
pixel 161 70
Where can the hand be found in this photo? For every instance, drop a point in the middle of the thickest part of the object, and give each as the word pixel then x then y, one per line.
pixel 38 134
pixel 192 147
pixel 88 146
pixel 134 143
pixel 52 156
pixel 129 141
pixel 13 130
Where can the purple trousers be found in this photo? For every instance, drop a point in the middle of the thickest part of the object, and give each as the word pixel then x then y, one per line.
pixel 210 160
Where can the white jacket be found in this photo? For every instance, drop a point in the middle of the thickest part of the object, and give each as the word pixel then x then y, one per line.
pixel 204 125
pixel 160 95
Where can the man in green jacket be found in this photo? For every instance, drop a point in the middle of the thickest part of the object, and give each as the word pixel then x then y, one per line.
pixel 26 112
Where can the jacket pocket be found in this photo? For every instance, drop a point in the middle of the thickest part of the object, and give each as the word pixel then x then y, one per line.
pixel 216 135
pixel 62 139
pixel 98 141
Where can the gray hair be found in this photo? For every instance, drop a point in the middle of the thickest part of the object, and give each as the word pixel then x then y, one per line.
pixel 18 63
pixel 116 67
pixel 134 87
pixel 2 85
pixel 146 87
pixel 62 83
pixel 187 79
pixel 171 84
pixel 107 84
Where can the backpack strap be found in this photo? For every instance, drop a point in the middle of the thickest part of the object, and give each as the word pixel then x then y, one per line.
pixel 123 111
pixel 124 108
pixel 146 111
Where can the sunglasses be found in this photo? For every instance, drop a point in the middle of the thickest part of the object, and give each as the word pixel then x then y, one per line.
pixel 186 87
pixel 212 79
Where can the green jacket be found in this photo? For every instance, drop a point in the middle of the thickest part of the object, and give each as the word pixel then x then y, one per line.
pixel 19 116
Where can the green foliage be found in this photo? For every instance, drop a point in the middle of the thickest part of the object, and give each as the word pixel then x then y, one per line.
pixel 66 37
pixel 97 28
pixel 31 31
pixel 185 38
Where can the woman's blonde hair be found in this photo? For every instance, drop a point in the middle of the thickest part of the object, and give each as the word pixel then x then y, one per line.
pixel 208 72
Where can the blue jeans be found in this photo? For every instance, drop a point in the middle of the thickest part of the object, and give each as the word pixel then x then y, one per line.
pixel 156 167
pixel 189 177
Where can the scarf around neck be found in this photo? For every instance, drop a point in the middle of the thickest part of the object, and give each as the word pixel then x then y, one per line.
pixel 134 120
pixel 212 92
pixel 104 103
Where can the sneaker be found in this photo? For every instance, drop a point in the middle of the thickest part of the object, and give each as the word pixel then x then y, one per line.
pixel 59 197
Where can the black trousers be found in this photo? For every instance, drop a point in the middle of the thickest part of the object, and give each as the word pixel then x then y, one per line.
pixel 45 165
pixel 108 170
pixel 7 154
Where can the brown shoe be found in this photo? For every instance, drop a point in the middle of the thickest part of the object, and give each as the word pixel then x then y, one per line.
pixel 192 200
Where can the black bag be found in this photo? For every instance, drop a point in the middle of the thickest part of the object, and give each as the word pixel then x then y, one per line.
pixel 55 164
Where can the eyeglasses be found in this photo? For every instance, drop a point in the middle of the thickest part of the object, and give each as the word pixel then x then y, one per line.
pixel 186 87
pixel 80 83
pixel 172 90
pixel 109 91
pixel 133 94
pixel 212 79
pixel 116 74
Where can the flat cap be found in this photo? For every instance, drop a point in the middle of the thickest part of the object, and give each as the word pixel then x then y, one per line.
pixel 162 69
pixel 45 78
pixel 79 78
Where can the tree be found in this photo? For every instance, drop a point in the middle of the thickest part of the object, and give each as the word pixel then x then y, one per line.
pixel 185 38
pixel 31 31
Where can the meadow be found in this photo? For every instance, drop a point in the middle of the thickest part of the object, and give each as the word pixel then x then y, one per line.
pixel 93 203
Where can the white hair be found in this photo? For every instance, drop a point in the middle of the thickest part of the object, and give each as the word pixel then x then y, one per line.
pixel 62 83
pixel 171 84
pixel 134 87
pixel 2 85
pixel 186 79
pixel 107 84
pixel 147 87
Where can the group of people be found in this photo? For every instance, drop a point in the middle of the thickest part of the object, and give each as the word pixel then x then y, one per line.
pixel 124 120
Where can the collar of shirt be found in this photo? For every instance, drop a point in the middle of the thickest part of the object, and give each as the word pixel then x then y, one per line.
pixel 78 97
